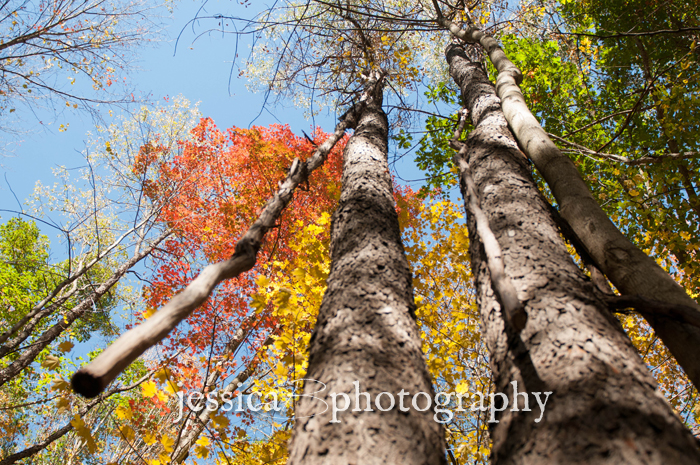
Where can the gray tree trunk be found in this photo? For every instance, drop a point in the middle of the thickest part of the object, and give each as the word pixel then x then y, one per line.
pixel 366 331
pixel 631 271
pixel 605 408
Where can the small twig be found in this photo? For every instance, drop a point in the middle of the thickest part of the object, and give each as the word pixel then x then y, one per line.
pixel 311 141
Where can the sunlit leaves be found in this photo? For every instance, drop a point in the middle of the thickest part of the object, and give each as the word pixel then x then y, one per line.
pixel 51 362
pixel 630 96
pixel 60 384
pixel 201 449
pixel 124 412
pixel 324 49
pixel 149 389
pixel 167 443
pixel 149 438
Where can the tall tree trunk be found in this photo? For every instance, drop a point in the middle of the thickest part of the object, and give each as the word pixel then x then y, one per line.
pixel 628 268
pixel 604 408
pixel 366 337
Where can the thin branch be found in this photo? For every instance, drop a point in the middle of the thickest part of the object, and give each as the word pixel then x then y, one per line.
pixel 651 308
pixel 620 159
pixel 680 30
pixel 59 433
pixel 87 303
pixel 513 309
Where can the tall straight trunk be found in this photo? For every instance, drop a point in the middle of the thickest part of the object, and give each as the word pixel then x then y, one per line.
pixel 604 408
pixel 631 271
pixel 366 338
pixel 628 268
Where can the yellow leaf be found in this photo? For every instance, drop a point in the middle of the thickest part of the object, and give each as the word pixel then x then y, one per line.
pixel 171 387
pixel 59 384
pixel 163 375
pixel 149 312
pixel 149 389
pixel 127 432
pixel 84 433
pixel 281 371
pixel 262 281
pixel 201 452
pixel 149 438
pixel 167 442
pixel 220 421
pixel 258 302
pixel 124 412
pixel 203 441
pixel 77 423
pixel 65 346
pixel 299 274
pixel 51 363
pixel 163 397
pixel 462 388
pixel 91 445
pixel 634 192
pixel 63 404
pixel 282 298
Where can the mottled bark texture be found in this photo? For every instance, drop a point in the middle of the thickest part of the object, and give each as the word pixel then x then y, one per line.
pixel 631 271
pixel 605 408
pixel 366 330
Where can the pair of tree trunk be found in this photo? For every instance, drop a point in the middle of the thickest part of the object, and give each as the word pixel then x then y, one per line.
pixel 604 406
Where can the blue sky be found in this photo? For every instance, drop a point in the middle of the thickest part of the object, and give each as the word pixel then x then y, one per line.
pixel 199 70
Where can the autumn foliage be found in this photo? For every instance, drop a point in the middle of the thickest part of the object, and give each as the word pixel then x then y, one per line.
pixel 215 187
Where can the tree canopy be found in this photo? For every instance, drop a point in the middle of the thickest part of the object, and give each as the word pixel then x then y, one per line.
pixel 218 254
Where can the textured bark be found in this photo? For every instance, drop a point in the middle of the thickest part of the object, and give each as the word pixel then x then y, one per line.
pixel 506 294
pixel 366 330
pixel 628 268
pixel 605 408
